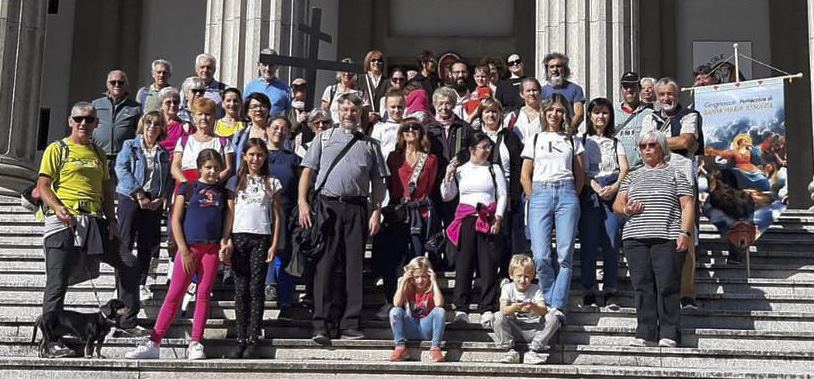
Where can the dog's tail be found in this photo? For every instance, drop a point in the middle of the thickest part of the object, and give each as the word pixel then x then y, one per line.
pixel 37 323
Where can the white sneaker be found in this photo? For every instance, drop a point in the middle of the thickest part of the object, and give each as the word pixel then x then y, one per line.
pixel 146 294
pixel 188 297
pixel 146 349
pixel 195 351
pixel 533 358
pixel 487 319
pixel 169 272
pixel 641 342
pixel 666 342
pixel 461 317
pixel 512 356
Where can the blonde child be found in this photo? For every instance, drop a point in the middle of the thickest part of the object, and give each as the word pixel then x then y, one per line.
pixel 524 314
pixel 202 231
pixel 418 310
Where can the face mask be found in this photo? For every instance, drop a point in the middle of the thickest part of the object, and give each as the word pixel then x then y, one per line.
pixel 298 104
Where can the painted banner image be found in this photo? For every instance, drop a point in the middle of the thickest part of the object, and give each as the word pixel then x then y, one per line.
pixel 742 174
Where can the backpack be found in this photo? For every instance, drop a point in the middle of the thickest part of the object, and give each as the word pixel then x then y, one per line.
pixel 223 142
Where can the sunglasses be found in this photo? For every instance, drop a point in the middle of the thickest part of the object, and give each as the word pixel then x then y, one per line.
pixel 411 128
pixel 376 60
pixel 116 83
pixel 86 119
pixel 650 145
pixel 322 122
pixel 515 62
pixel 398 80
pixel 198 91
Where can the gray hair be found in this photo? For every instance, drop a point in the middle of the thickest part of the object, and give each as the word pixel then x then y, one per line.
pixel 339 73
pixel 83 106
pixel 566 66
pixel 167 92
pixel 117 72
pixel 648 79
pixel 319 113
pixel 162 62
pixel 447 92
pixel 191 83
pixel 206 56
pixel 667 81
pixel 657 137
pixel 353 97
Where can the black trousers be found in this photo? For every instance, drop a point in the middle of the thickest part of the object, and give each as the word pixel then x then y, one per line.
pixel 142 227
pixel 338 274
pixel 655 273
pixel 479 250
pixel 60 253
pixel 249 266
pixel 389 250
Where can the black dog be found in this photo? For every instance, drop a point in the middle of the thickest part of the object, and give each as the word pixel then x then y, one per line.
pixel 89 327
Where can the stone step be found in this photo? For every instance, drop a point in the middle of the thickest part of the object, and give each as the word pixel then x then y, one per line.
pixel 227 369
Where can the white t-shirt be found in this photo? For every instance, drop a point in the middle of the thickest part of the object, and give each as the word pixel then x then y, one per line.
pixel 552 156
pixel 533 294
pixel 334 106
pixel 194 147
pixel 253 205
pixel 476 187
pixel 524 126
pixel 602 155
pixel 505 157
pixel 386 133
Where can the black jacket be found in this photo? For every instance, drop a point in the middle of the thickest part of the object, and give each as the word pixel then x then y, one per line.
pixel 515 147
pixel 445 147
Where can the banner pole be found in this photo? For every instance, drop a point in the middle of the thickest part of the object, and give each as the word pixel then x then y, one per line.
pixel 737 64
pixel 784 77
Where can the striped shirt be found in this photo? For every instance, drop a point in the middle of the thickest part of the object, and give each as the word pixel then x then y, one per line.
pixel 658 189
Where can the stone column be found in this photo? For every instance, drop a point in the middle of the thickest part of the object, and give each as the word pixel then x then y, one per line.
pixel 811 77
pixel 600 37
pixel 236 31
pixel 22 42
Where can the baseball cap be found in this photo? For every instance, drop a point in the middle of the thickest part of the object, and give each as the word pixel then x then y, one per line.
pixel 630 77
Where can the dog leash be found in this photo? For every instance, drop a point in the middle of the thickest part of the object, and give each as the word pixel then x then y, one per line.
pixel 93 285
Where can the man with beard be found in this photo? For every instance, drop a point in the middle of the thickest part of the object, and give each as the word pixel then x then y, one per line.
pixel 268 84
pixel 629 116
pixel 508 90
pixel 682 126
pixel 344 193
pixel 459 71
pixel 557 72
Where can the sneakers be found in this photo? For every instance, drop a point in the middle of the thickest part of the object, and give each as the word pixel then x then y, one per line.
pixel 512 356
pixel 400 354
pixel 136 331
pixel 145 293
pixel 321 339
pixel 252 351
pixel 589 300
pixel 352 334
pixel 384 312
pixel 195 351
pixel 460 317
pixel 152 270
pixel 271 292
pixel 487 319
pixel 666 342
pixel 237 351
pixel 146 349
pixel 560 315
pixel 688 303
pixel 611 301
pixel 188 298
pixel 436 354
pixel 734 257
pixel 59 350
pixel 641 342
pixel 534 358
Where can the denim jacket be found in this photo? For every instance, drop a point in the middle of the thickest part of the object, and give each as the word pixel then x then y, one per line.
pixel 131 168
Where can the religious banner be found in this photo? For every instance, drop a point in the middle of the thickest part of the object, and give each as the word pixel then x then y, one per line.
pixel 742 174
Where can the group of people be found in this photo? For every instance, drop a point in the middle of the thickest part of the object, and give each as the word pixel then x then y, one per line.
pixel 474 179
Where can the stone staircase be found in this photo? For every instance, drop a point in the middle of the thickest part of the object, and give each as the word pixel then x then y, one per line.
pixel 761 326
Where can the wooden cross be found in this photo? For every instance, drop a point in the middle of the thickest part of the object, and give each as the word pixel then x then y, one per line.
pixel 311 63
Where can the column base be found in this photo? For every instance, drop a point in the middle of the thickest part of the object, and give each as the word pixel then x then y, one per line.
pixel 15 176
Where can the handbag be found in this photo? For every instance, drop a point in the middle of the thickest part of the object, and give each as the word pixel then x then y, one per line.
pixel 397 214
pixel 308 244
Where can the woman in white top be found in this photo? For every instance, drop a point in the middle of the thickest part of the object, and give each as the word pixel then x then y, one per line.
pixel 318 120
pixel 526 121
pixel 345 82
pixel 482 189
pixel 605 167
pixel 552 178
pixel 184 166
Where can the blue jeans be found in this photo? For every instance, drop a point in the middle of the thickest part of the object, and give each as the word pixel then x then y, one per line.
pixel 406 327
pixel 276 274
pixel 554 204
pixel 599 228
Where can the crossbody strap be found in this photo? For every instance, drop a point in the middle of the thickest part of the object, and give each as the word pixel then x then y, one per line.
pixel 413 184
pixel 337 159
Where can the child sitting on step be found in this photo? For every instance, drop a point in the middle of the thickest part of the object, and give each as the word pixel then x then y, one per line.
pixel 202 228
pixel 524 314
pixel 418 310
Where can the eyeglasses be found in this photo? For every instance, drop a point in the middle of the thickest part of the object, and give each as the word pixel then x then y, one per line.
pixel 86 119
pixel 321 122
pixel 515 62
pixel 411 128
pixel 198 91
pixel 398 80
pixel 649 145
pixel 484 147
pixel 116 83
pixel 258 106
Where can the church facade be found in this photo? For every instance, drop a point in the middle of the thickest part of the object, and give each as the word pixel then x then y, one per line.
pixel 56 52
